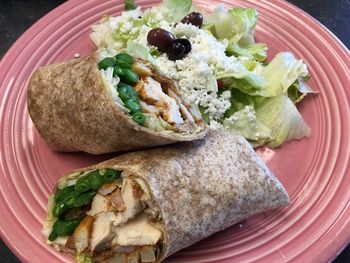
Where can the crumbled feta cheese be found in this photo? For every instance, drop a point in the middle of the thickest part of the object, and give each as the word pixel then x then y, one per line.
pixel 186 30
pixel 250 113
pixel 245 117
pixel 127 16
pixel 226 94
pixel 142 37
pixel 216 125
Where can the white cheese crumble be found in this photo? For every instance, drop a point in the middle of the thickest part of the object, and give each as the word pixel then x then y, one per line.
pixel 248 113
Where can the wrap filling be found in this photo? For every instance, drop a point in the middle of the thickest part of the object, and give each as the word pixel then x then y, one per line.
pixel 105 215
pixel 150 99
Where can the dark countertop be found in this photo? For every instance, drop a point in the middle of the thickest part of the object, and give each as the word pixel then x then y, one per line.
pixel 18 15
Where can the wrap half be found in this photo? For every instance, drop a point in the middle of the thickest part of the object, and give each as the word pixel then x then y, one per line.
pixel 162 200
pixel 79 106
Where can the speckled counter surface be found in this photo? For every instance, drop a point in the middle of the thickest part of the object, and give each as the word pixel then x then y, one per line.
pixel 18 15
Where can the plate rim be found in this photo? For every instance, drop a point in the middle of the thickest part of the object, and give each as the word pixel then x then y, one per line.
pixel 40 24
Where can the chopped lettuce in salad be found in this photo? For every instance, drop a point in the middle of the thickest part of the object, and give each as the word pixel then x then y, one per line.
pixel 224 73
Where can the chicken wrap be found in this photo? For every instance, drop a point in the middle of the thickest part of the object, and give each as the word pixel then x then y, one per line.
pixel 146 205
pixel 109 102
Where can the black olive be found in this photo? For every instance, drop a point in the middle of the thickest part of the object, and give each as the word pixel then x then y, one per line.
pixel 186 43
pixel 160 38
pixel 194 18
pixel 176 50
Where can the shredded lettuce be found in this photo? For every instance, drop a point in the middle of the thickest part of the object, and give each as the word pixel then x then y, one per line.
pixel 111 83
pixel 102 35
pixel 140 51
pixel 127 27
pixel 155 123
pixel 48 223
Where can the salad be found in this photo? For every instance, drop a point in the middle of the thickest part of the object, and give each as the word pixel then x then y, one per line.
pixel 217 65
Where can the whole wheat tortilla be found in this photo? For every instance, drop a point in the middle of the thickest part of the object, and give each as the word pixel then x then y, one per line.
pixel 204 186
pixel 72 111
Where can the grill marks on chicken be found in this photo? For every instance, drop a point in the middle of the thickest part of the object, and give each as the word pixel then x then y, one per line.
pixel 123 225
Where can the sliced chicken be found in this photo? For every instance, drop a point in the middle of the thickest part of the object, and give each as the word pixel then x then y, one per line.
pixel 102 231
pixel 99 204
pixel 151 92
pixel 107 188
pixel 132 196
pixel 184 127
pixel 146 92
pixel 151 213
pixel 195 112
pixel 70 244
pixel 117 200
pixel 152 207
pixel 82 233
pixel 183 109
pixel 137 232
pixel 171 112
pixel 141 69
pixel 122 225
pixel 149 108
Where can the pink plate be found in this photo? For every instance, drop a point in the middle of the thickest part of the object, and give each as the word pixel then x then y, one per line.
pixel 314 228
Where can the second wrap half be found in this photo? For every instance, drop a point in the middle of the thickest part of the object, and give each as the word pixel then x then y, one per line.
pixel 199 188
